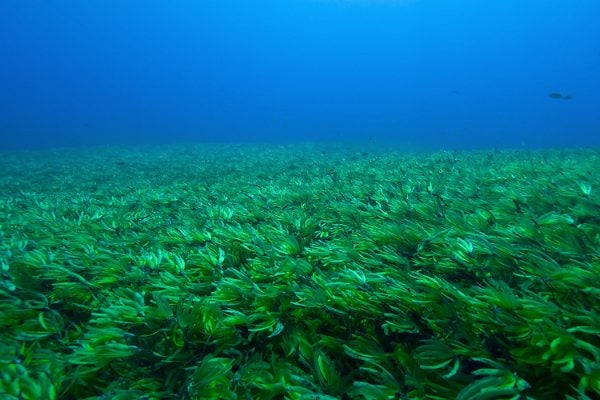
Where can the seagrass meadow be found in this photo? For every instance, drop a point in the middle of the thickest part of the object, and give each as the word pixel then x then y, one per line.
pixel 299 272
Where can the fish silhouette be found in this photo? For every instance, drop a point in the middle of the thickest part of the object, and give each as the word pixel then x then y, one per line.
pixel 559 96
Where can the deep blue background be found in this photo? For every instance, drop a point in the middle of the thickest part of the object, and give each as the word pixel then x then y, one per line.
pixel 464 73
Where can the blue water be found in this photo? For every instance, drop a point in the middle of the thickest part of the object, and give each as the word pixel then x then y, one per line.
pixel 436 73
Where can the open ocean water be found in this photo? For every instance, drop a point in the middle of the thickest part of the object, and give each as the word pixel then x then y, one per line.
pixel 300 199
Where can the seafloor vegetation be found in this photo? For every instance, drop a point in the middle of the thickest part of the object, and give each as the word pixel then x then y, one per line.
pixel 306 272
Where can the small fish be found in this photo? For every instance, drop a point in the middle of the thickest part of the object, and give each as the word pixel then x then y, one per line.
pixel 556 95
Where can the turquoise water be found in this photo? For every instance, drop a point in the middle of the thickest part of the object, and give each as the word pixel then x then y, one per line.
pixel 461 74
